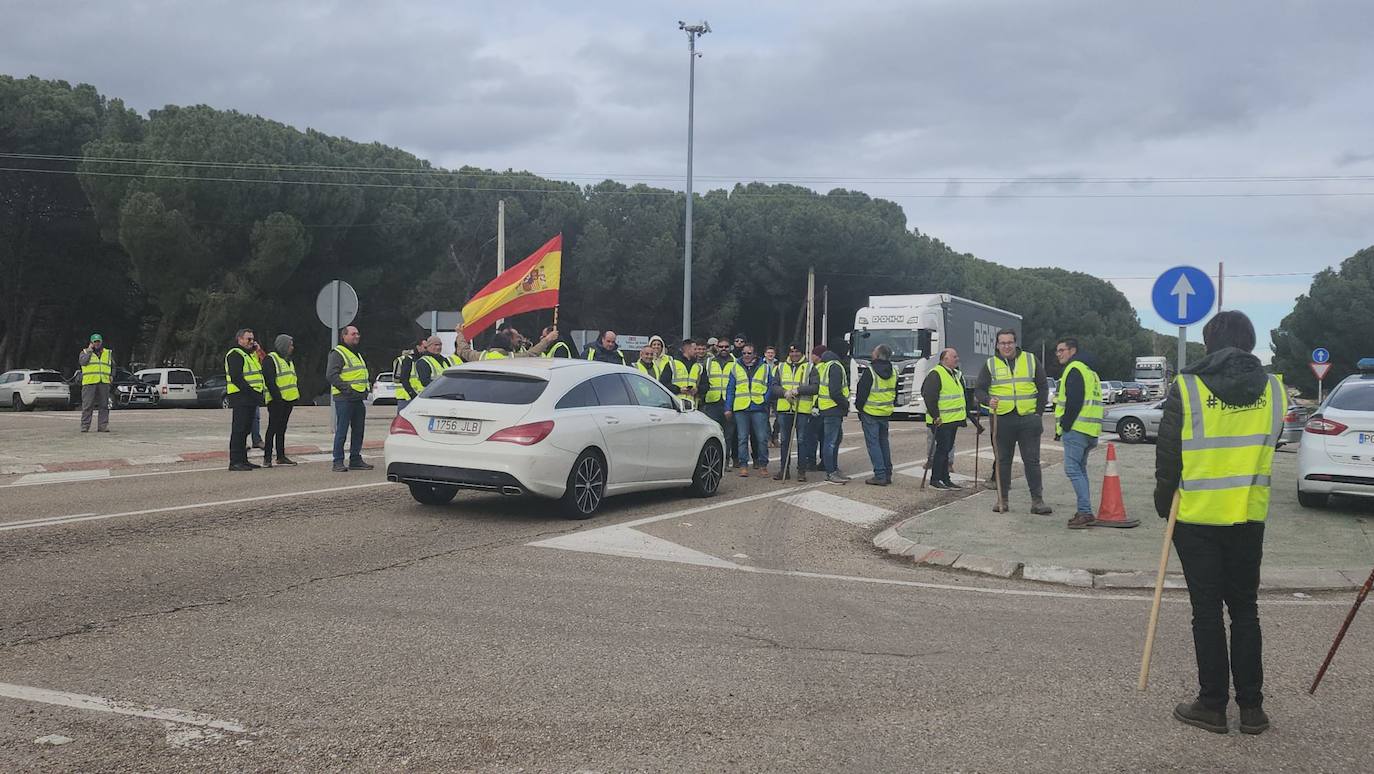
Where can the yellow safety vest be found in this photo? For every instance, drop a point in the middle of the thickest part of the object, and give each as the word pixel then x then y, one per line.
pixel 823 398
pixel 402 392
pixel 1089 419
pixel 685 376
pixel 718 378
pixel 591 353
pixel 953 404
pixel 455 360
pixel 1228 453
pixel 435 368
pixel 554 350
pixel 354 373
pixel 252 373
pixel 655 369
pixel 494 354
pixel 286 377
pixel 750 390
pixel 882 396
pixel 792 376
pixel 1014 387
pixel 99 369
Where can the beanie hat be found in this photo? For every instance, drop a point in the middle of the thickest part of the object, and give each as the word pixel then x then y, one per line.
pixel 820 349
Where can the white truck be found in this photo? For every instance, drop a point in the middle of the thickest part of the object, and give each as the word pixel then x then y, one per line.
pixel 1154 372
pixel 917 328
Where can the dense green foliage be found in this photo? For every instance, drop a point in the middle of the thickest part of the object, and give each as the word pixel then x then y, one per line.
pixel 1335 313
pixel 183 226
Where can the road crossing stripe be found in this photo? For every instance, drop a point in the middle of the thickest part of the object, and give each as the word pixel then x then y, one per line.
pixel 102 704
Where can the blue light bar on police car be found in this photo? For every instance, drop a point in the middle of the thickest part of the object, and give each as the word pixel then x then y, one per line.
pixel 1365 364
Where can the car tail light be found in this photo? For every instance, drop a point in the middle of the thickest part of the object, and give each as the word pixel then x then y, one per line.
pixel 401 426
pixel 1323 426
pixel 164 389
pixel 524 435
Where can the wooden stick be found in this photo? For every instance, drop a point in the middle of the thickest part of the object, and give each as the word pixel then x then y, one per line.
pixel 1355 608
pixel 977 452
pixel 1159 592
pixel 930 454
pixel 997 465
pixel 555 316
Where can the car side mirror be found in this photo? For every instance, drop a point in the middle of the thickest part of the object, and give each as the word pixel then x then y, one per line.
pixel 684 404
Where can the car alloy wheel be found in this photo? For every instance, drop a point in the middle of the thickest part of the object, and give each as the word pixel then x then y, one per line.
pixel 586 486
pixel 224 402
pixel 1131 430
pixel 709 471
pixel 17 403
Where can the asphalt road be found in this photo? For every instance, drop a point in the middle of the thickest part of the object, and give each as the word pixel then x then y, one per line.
pixel 301 620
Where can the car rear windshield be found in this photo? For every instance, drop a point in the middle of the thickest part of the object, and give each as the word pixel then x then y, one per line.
pixel 45 376
pixel 476 387
pixel 181 377
pixel 1354 396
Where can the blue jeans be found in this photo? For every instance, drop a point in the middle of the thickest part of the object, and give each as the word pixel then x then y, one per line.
pixel 752 424
pixel 809 450
pixel 1077 446
pixel 349 414
pixel 787 422
pixel 879 450
pixel 830 442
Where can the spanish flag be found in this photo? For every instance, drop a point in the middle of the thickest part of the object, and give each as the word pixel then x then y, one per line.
pixel 526 286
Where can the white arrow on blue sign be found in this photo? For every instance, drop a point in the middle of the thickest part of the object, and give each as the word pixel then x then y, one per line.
pixel 1320 355
pixel 1183 295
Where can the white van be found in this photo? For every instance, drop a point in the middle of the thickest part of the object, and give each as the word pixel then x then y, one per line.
pixel 176 387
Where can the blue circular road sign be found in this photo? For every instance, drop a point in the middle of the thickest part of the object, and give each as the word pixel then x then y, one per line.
pixel 1320 355
pixel 1183 295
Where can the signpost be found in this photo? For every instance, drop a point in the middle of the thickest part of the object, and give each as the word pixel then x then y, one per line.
pixel 336 306
pixel 1183 295
pixel 1321 365
pixel 439 321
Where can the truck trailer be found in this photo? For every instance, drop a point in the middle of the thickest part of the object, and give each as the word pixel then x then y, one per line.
pixel 917 328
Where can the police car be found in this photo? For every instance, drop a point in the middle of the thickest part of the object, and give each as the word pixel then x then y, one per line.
pixel 1336 455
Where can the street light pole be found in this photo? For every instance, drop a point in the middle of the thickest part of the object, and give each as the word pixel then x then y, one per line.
pixel 693 31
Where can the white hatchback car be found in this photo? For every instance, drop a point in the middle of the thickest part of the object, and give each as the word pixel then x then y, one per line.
pixel 175 386
pixel 1336 455
pixel 26 389
pixel 574 430
pixel 383 390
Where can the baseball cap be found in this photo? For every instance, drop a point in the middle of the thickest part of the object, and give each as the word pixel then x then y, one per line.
pixel 97 337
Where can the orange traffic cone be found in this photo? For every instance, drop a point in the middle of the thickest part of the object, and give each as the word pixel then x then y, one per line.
pixel 1112 511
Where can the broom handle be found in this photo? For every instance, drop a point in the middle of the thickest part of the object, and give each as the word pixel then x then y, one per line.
pixel 1355 608
pixel 1159 594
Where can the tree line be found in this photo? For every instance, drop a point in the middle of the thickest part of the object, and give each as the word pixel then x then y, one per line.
pixel 167 232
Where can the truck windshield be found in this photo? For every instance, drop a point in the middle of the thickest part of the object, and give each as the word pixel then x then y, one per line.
pixel 905 344
pixel 1150 371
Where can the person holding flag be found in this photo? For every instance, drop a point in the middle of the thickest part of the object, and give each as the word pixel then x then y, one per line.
pixel 529 285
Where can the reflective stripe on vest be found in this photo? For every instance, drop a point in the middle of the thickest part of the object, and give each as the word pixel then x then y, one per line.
pixel 494 354
pixel 953 403
pixel 823 399
pixel 1089 419
pixel 402 392
pixel 436 367
pixel 354 373
pixel 1228 453
pixel 685 376
pixel 654 370
pixel 252 373
pixel 286 377
pixel 882 396
pixel 750 390
pixel 791 376
pixel 718 378
pixel 99 369
pixel 555 349
pixel 591 354
pixel 1013 387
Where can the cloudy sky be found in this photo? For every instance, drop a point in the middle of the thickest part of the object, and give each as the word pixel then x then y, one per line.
pixel 1107 137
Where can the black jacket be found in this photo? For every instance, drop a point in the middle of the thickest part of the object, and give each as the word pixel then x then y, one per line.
pixel 602 355
pixel 865 385
pixel 1237 378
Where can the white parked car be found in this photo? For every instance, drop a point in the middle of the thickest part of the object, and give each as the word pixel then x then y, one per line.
pixel 383 390
pixel 25 389
pixel 1336 455
pixel 1111 391
pixel 574 430
pixel 174 386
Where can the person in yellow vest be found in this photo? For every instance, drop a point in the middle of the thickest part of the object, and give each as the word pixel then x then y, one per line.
pixel 428 365
pixel 279 378
pixel 346 372
pixel 1078 423
pixel 794 411
pixel 400 372
pixel 504 343
pixel 749 404
pixel 606 349
pixel 557 348
pixel 946 402
pixel 718 400
pixel 1012 385
pixel 875 396
pixel 97 374
pixel 655 369
pixel 245 390
pixel 829 384
pixel 1222 419
pixel 689 375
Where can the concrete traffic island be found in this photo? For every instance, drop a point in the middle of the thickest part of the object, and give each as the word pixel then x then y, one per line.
pixel 1305 549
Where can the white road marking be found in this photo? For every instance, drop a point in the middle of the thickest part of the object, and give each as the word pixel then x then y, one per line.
pixel 164 472
pixel 839 508
pixel 101 704
pixel 156 459
pixel 62 477
pixel 53 521
pixel 623 541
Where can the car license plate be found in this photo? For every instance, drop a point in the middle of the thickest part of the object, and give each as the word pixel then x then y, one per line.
pixel 1367 438
pixel 455 426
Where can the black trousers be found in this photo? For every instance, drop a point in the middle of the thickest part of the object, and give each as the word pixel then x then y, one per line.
pixel 1222 565
pixel 240 427
pixel 944 446
pixel 278 415
pixel 1015 431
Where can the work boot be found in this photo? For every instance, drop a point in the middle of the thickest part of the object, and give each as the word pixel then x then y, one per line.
pixel 878 481
pixel 761 472
pixel 938 485
pixel 240 466
pixel 837 478
pixel 779 476
pixel 339 467
pixel 251 464
pixel 952 485
pixel 1196 714
pixel 744 471
pixel 282 459
pixel 1039 508
pixel 1253 720
pixel 801 476
pixel 1001 507
pixel 359 465
pixel 1081 520
pixel 267 460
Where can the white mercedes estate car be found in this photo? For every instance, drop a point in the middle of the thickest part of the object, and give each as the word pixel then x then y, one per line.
pixel 1336 455
pixel 572 430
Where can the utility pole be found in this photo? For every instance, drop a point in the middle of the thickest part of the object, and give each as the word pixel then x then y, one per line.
pixel 825 314
pixel 1221 282
pixel 693 31
pixel 810 309
pixel 500 243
